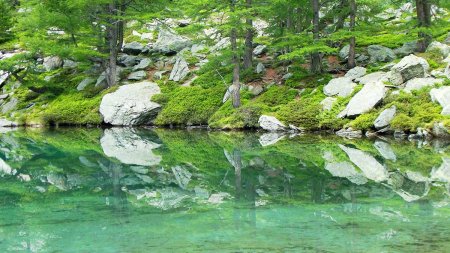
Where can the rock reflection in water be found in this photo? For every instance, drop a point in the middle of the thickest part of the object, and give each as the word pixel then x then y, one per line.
pixel 208 189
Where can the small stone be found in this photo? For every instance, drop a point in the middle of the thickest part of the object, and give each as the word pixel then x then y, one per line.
pixel 137 76
pixel 385 117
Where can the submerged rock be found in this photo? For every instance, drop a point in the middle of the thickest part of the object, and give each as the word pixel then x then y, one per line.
pixel 371 168
pixel 130 105
pixel 270 123
pixel 128 147
pixel 343 169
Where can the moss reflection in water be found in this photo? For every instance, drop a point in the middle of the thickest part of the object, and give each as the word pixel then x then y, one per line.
pixel 137 190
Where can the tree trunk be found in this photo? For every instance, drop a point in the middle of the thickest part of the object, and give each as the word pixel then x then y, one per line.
pixel 343 15
pixel 423 9
pixel 316 59
pixel 236 71
pixel 112 36
pixel 351 56
pixel 248 56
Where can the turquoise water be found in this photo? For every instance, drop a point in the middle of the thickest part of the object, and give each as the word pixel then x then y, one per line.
pixel 130 190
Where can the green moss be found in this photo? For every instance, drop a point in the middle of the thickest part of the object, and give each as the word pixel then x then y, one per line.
pixel 304 112
pixel 190 106
pixel 414 110
pixel 364 121
pixel 277 95
pixel 246 116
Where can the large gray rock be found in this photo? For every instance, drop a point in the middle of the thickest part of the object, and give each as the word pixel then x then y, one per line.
pixel 127 60
pixel 260 50
pixel 170 43
pixel 131 105
pixel 3 77
pixel 7 123
pixel 407 49
pixel 52 63
pixel 365 100
pixel 180 70
pixel 443 49
pixel 410 67
pixel 379 53
pixel 69 64
pixel 222 44
pixel 101 80
pixel 133 48
pixel 327 103
pixel 143 64
pixel 342 86
pixel 260 68
pixel 270 123
pixel 371 168
pixel 440 131
pixel 138 75
pixel 385 117
pixel 442 96
pixel 374 77
pixel 10 105
pixel 128 147
pixel 356 72
pixel 419 83
pixel 344 52
pixel 86 82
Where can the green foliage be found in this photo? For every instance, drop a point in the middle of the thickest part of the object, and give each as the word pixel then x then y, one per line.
pixel 364 121
pixel 414 110
pixel 5 21
pixel 303 112
pixel 190 106
pixel 244 117
pixel 277 95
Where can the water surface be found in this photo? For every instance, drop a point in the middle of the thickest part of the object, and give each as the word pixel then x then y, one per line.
pixel 136 190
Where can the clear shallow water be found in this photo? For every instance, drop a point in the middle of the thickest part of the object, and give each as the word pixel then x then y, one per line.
pixel 125 190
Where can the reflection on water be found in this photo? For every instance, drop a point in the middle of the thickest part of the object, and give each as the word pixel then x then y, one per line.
pixel 135 190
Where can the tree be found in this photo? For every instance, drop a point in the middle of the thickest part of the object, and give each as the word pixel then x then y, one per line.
pixel 316 58
pixel 236 62
pixel 248 54
pixel 423 9
pixel 351 56
pixel 5 21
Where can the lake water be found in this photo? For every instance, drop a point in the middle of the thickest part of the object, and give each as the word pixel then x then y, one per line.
pixel 130 190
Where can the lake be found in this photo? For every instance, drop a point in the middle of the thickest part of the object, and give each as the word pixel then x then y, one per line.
pixel 143 190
